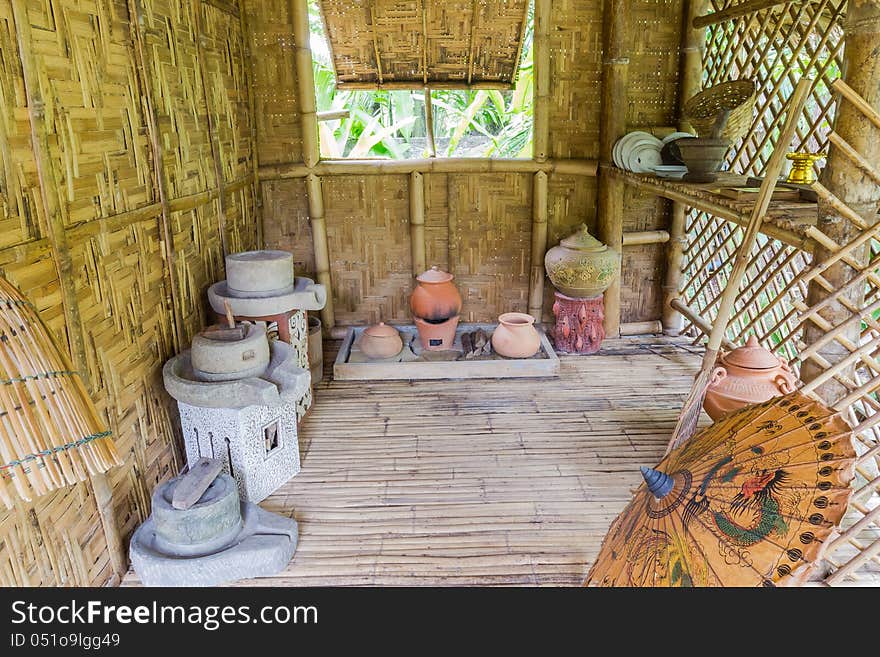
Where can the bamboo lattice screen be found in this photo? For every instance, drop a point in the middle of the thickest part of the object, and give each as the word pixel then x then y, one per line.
pixel 775 47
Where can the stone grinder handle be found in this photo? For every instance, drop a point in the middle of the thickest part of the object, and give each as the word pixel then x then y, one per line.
pixel 191 486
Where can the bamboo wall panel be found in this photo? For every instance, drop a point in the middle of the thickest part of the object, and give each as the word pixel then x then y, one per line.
pixel 655 35
pixel 490 242
pixel 122 280
pixel 644 266
pixel 437 221
pixel 279 137
pixel 89 81
pixel 172 53
pixel 289 228
pixel 22 217
pixel 368 234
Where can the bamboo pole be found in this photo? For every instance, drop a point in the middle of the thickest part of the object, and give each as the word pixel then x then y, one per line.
pixel 410 85
pixel 540 193
pixel 575 167
pixel 641 328
pixel 543 14
pixel 417 222
pixel 612 126
pixel 49 185
pixel 429 123
pixel 305 82
pixel 322 251
pixel 851 196
pixel 742 9
pixel 637 238
pixel 672 320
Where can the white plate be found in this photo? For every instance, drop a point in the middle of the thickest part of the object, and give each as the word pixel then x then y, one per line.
pixel 638 141
pixel 643 157
pixel 675 135
pixel 623 143
pixel 670 171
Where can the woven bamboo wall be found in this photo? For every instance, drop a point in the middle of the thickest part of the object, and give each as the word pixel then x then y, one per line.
pixel 476 225
pixel 124 289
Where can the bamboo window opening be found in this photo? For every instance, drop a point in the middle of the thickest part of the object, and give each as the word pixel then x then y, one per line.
pixel 458 44
pixel 50 435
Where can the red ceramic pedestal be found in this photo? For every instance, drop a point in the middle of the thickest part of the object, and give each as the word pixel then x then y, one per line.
pixel 579 324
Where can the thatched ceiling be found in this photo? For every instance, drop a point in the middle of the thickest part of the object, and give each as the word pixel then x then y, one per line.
pixel 411 43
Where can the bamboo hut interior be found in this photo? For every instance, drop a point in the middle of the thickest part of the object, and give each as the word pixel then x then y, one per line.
pixel 143 140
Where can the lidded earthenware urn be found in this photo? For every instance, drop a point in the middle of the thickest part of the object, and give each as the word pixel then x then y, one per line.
pixel 435 305
pixel 380 341
pixel 581 266
pixel 747 375
pixel 516 336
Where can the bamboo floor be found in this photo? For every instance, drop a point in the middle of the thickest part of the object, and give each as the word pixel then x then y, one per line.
pixel 477 482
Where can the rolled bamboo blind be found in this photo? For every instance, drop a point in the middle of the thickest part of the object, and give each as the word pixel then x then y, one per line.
pixel 51 435
pixel 457 43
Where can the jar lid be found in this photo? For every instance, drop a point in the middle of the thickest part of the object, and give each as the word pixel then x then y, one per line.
pixel 380 330
pixel 751 356
pixel 581 240
pixel 435 275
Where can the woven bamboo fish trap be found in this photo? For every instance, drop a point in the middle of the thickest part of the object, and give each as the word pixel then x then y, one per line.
pixel 50 433
pixel 736 96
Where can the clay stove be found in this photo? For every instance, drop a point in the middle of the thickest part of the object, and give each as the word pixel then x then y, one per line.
pixel 239 410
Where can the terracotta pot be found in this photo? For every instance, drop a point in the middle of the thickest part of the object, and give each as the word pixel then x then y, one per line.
pixel 747 375
pixel 437 336
pixel 703 158
pixel 436 298
pixel 581 266
pixel 380 341
pixel 516 336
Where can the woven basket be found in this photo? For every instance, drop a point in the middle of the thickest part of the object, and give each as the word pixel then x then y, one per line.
pixel 738 96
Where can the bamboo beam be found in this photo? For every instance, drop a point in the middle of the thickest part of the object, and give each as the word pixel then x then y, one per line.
pixel 417 222
pixel 322 251
pixel 854 157
pixel 49 185
pixel 697 320
pixel 332 115
pixel 540 193
pixel 861 105
pixel 305 82
pixel 378 167
pixel 742 9
pixel 612 126
pixel 641 328
pixel 693 47
pixel 637 238
pixel 541 52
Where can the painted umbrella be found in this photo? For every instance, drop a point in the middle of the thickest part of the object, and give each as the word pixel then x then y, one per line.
pixel 748 501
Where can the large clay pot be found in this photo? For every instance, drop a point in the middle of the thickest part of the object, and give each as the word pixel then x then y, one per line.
pixel 581 266
pixel 747 375
pixel 380 341
pixel 703 158
pixel 436 298
pixel 516 336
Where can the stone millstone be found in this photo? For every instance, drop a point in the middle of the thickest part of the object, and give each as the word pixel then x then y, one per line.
pixel 262 544
pixel 259 273
pixel 227 360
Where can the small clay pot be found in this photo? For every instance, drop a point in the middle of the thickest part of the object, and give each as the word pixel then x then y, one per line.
pixel 747 375
pixel 437 336
pixel 436 298
pixel 703 158
pixel 380 341
pixel 516 336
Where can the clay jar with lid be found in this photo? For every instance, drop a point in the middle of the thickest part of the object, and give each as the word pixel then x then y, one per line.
pixel 516 336
pixel 435 305
pixel 747 375
pixel 581 266
pixel 380 341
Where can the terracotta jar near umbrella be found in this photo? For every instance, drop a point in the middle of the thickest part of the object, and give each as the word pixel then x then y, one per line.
pixel 746 375
pixel 749 501
pixel 435 305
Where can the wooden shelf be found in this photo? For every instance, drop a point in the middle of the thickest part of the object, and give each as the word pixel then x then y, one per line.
pixel 791 222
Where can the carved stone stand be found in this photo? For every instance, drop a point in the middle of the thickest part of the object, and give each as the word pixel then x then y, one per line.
pixel 579 324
